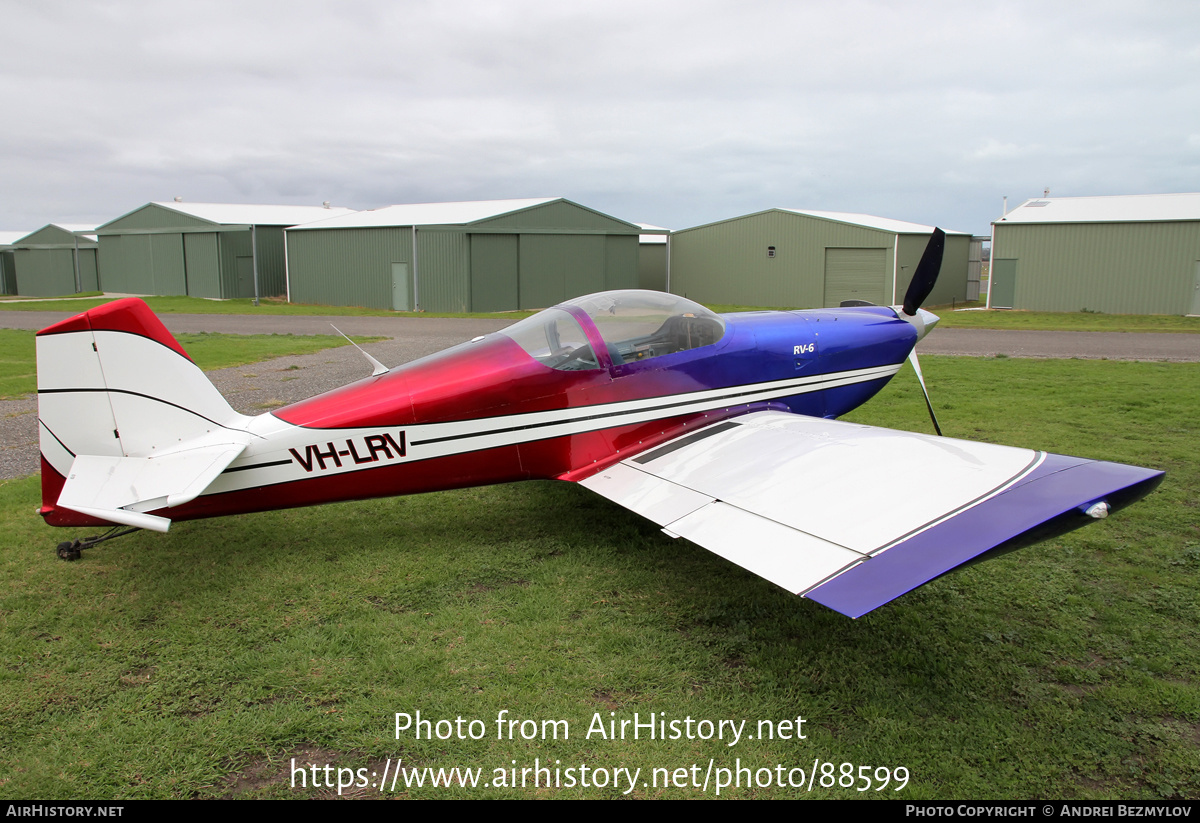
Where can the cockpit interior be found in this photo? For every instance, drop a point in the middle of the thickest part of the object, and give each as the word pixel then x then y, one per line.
pixel 634 326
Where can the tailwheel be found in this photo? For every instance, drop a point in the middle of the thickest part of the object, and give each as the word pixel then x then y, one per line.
pixel 73 549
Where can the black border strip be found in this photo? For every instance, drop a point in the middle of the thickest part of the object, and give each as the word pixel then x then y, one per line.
pixel 937 521
pixel 1038 457
pixel 137 394
pixel 42 423
pixel 257 466
pixel 663 451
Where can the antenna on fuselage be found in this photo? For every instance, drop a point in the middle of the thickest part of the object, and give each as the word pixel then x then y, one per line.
pixel 378 367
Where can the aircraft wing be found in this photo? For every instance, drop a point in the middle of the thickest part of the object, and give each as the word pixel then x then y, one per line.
pixel 853 516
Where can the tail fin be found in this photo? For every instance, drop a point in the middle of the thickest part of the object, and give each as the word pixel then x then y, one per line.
pixel 128 423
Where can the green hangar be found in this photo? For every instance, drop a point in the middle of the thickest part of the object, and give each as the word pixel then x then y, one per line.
pixel 8 261
pixel 492 255
pixel 1132 254
pixel 219 250
pixel 57 259
pixel 810 259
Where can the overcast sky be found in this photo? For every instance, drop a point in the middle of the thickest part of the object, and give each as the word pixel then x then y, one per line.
pixel 673 113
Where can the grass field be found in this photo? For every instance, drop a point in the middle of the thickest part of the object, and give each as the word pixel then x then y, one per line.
pixel 202 662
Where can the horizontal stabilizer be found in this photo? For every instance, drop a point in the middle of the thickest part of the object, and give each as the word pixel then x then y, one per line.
pixel 122 489
pixel 128 518
pixel 854 516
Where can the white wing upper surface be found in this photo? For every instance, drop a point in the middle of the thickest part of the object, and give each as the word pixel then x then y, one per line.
pixel 807 502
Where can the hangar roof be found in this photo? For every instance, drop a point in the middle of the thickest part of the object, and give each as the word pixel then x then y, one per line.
pixel 659 236
pixel 75 228
pixel 1128 208
pixel 241 213
pixel 429 214
pixel 84 231
pixel 872 222
pixel 7 238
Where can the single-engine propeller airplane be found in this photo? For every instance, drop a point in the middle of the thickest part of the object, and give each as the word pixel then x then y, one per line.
pixel 719 428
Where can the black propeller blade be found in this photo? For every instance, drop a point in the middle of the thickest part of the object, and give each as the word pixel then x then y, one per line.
pixel 922 283
pixel 926 274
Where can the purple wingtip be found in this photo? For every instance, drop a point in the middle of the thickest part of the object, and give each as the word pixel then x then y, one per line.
pixel 1051 501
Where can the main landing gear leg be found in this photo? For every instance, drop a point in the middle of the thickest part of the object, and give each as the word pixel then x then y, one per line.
pixel 73 550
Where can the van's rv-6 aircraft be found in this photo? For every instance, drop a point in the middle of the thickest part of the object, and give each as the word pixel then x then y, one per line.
pixel 719 428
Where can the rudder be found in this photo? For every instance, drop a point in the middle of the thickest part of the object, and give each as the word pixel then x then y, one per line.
pixel 114 383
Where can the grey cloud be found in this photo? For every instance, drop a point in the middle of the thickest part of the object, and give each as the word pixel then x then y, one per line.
pixel 672 113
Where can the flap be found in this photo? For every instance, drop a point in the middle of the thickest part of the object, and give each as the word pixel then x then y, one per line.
pixel 815 505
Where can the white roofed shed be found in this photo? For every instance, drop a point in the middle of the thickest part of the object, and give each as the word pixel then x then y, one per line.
pixel 1122 254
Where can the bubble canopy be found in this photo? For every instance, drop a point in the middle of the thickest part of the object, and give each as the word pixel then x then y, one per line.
pixel 633 325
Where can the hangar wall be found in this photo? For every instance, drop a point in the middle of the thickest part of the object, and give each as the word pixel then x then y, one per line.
pixel 346 267
pixel 727 262
pixel 51 272
pixel 1112 267
pixel 158 250
pixel 44 263
pixel 780 258
pixel 459 270
pixel 524 258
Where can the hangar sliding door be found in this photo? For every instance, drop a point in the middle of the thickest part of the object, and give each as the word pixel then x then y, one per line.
pixel 495 272
pixel 8 273
pixel 143 263
pixel 88 275
pixel 855 274
pixel 166 258
pixel 46 272
pixel 200 260
pixel 557 267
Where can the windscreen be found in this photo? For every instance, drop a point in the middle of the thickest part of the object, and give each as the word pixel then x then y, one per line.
pixel 555 339
pixel 638 325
